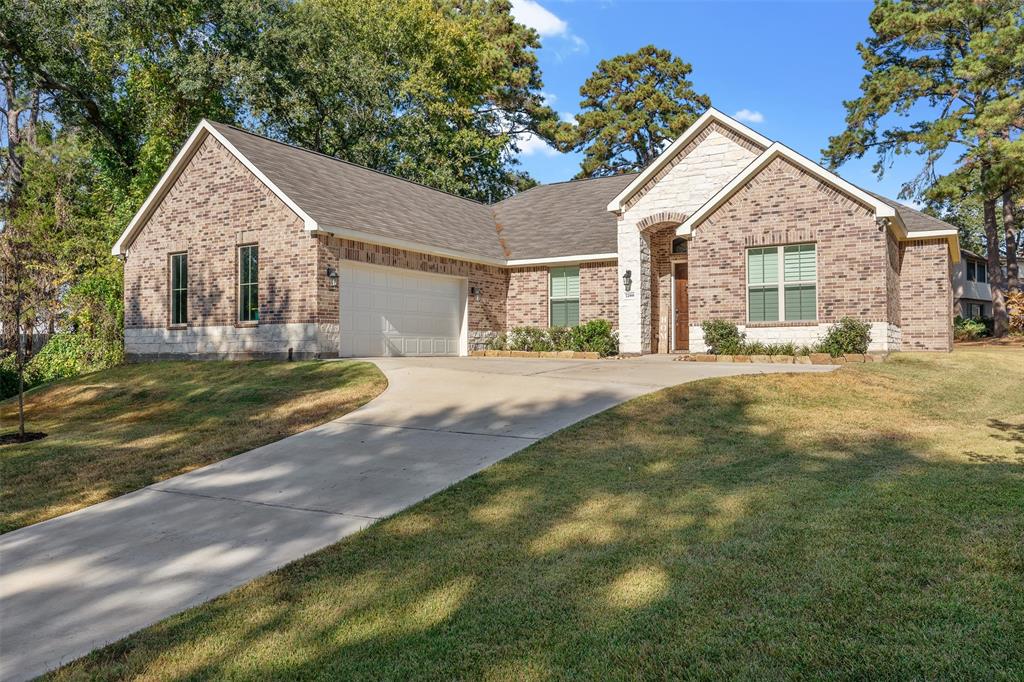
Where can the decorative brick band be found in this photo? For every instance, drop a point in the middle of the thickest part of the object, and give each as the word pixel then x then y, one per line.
pixel 661 219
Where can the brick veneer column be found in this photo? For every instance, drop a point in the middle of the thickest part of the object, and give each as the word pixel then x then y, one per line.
pixel 926 295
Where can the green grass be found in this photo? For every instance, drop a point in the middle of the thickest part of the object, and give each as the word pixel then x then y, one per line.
pixel 865 524
pixel 118 430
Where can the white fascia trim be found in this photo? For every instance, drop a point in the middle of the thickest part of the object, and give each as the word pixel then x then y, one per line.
pixel 711 114
pixel 590 257
pixel 776 150
pixel 174 170
pixel 407 245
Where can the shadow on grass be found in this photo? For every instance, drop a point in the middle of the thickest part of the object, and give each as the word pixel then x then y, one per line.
pixel 685 534
pixel 119 430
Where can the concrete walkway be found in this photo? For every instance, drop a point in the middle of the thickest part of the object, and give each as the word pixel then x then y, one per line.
pixel 89 578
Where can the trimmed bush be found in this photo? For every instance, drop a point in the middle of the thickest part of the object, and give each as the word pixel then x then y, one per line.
pixel 846 337
pixel 724 338
pixel 595 336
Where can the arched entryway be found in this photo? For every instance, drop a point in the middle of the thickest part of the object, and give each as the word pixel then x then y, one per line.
pixel 669 308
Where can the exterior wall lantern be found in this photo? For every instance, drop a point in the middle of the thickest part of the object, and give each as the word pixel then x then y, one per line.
pixel 332 277
pixel 627 279
pixel 476 293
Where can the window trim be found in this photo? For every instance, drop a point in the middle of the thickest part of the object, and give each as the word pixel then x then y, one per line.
pixel 780 284
pixel 238 285
pixel 171 290
pixel 552 298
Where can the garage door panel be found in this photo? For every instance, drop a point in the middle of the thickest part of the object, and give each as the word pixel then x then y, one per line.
pixel 388 311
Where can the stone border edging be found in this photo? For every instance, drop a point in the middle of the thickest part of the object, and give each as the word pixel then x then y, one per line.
pixel 812 359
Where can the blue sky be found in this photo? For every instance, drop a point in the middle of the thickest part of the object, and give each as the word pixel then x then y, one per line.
pixel 787 65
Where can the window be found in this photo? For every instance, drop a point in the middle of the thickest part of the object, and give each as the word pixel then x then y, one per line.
pixel 565 297
pixel 248 288
pixel 976 272
pixel 179 288
pixel 679 245
pixel 782 283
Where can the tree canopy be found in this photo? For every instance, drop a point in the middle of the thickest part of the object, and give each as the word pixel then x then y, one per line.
pixel 945 78
pixel 631 107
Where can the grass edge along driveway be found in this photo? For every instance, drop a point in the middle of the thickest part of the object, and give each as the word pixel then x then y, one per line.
pixel 861 523
pixel 121 429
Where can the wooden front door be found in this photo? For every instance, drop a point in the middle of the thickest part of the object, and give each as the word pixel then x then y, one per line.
pixel 681 338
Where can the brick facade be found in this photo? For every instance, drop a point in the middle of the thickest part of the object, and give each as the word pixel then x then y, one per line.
pixel 527 303
pixel 215 205
pixel 784 205
pixel 926 295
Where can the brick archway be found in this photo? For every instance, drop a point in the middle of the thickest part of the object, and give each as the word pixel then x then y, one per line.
pixel 661 219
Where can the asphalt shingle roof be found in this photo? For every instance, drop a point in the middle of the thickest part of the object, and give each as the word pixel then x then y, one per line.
pixel 344 195
pixel 547 221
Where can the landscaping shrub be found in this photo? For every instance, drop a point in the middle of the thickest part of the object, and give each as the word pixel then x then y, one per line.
pixel 968 329
pixel 595 336
pixel 723 338
pixel 846 336
pixel 531 339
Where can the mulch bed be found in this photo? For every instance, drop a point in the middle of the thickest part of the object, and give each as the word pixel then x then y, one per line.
pixel 12 438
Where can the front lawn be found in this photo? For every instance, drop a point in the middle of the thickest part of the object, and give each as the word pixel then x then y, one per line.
pixel 118 430
pixel 864 524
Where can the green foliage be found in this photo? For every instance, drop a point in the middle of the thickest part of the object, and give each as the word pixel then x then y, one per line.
pixel 723 338
pixel 632 105
pixel 9 376
pixel 968 329
pixel 70 354
pixel 595 336
pixel 846 336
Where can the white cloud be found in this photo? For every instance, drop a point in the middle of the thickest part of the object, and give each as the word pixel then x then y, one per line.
pixel 546 23
pixel 539 18
pixel 568 117
pixel 748 116
pixel 529 144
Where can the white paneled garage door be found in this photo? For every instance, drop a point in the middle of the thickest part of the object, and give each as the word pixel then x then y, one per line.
pixel 391 311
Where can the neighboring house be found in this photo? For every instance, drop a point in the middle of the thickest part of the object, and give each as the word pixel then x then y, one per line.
pixel 251 247
pixel 972 295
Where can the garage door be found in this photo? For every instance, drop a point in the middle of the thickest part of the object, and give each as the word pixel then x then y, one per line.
pixel 390 311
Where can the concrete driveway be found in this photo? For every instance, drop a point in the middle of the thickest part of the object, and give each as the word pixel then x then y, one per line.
pixel 89 578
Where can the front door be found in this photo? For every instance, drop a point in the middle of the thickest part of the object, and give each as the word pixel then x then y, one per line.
pixel 681 338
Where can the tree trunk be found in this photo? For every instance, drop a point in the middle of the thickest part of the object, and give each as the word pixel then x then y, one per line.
pixel 21 380
pixel 1012 232
pixel 1000 317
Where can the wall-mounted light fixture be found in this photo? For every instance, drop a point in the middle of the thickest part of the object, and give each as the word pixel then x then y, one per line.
pixel 332 277
pixel 627 279
pixel 477 293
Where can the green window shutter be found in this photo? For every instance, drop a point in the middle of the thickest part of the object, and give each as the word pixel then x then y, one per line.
pixel 800 302
pixel 798 262
pixel 565 297
pixel 764 304
pixel 763 266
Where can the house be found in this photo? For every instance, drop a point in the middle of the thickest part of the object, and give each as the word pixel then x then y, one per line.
pixel 972 295
pixel 251 247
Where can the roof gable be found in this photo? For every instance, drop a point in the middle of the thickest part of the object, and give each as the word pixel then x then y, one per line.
pixel 712 119
pixel 192 145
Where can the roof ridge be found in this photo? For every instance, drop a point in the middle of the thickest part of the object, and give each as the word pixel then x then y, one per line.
pixel 348 163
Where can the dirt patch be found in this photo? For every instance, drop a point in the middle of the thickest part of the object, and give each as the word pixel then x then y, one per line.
pixel 12 438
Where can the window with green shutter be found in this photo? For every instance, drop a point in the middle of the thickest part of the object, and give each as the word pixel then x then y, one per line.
pixel 782 283
pixel 564 297
pixel 763 285
pixel 248 283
